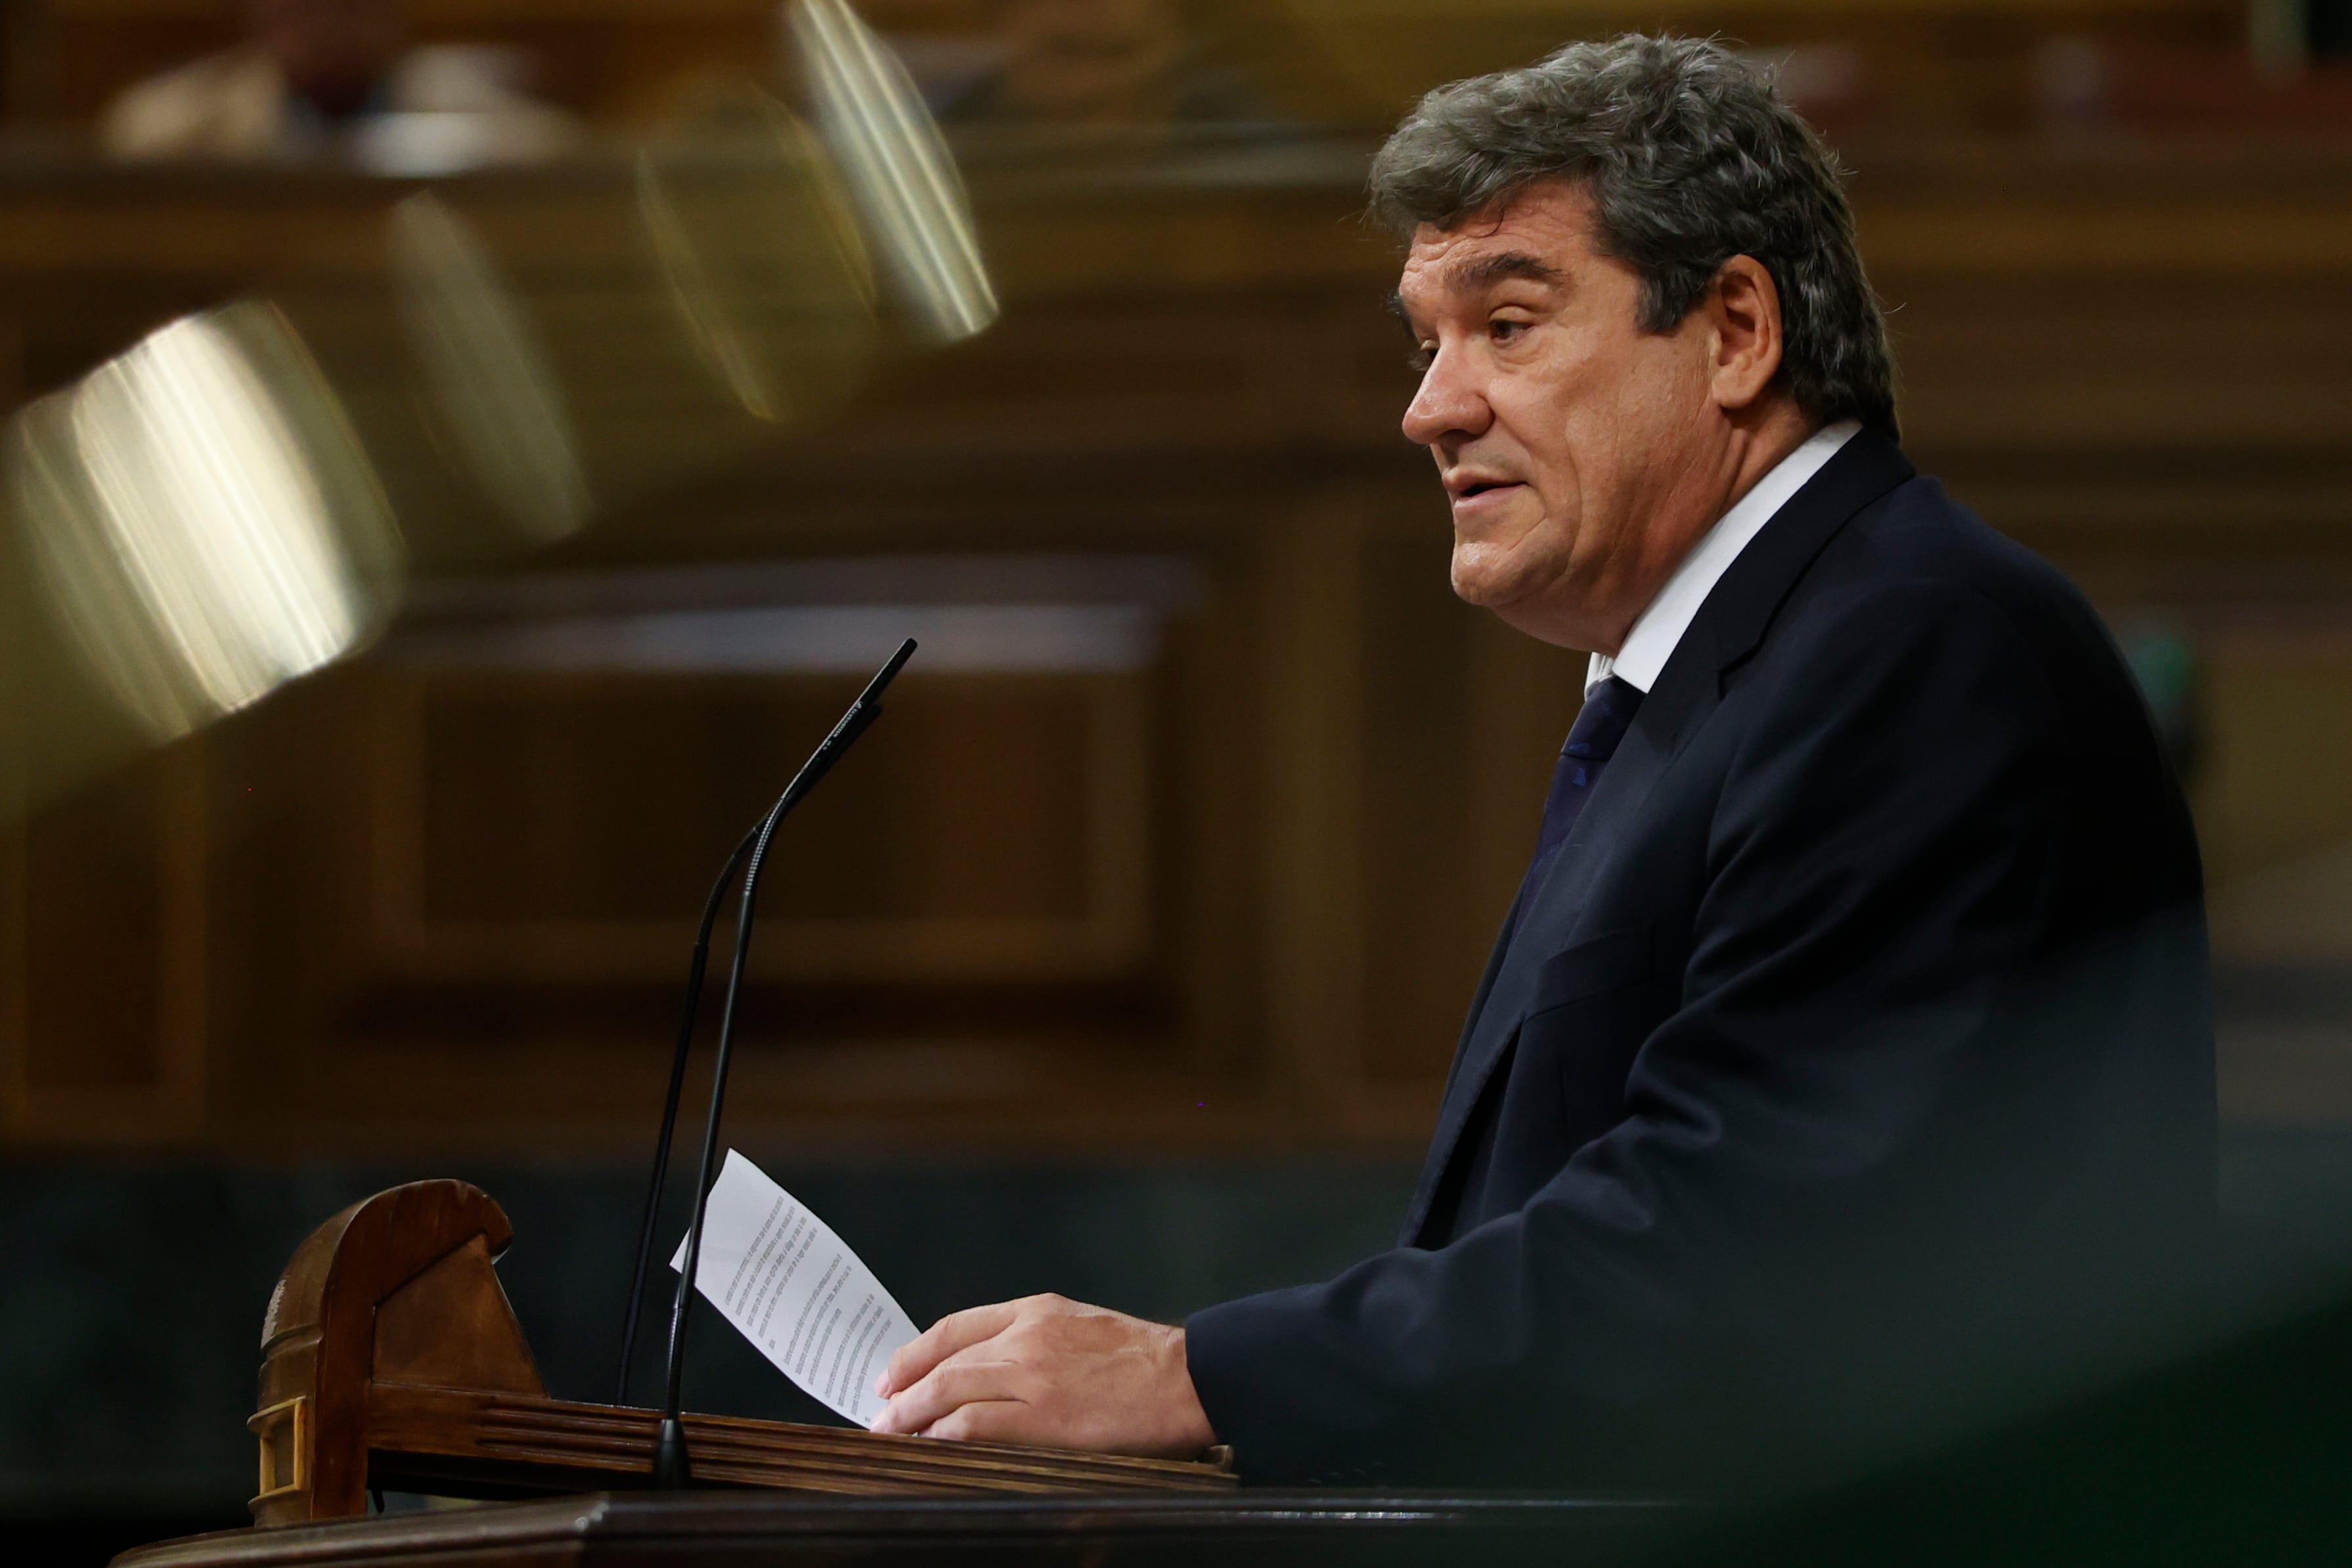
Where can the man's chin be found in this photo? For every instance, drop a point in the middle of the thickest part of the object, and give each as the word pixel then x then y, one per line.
pixel 1478 597
pixel 1481 580
pixel 1532 605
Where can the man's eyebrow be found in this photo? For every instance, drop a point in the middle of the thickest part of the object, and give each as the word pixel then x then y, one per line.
pixel 1486 270
pixel 1507 264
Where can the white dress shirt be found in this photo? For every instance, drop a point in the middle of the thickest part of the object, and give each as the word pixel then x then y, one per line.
pixel 1660 627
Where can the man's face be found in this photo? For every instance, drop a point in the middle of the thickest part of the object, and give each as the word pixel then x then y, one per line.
pixel 1577 450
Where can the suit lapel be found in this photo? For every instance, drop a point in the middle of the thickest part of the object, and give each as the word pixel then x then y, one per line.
pixel 1733 620
pixel 1728 627
pixel 1465 1051
pixel 1539 925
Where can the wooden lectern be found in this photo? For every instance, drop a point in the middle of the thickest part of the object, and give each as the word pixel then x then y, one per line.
pixel 1132 1529
pixel 391 1360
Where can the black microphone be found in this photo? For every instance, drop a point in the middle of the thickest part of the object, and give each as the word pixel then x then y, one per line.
pixel 657 1184
pixel 672 1468
pixel 694 976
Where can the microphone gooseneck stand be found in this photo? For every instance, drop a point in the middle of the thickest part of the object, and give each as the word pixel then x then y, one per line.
pixel 672 1467
pixel 694 976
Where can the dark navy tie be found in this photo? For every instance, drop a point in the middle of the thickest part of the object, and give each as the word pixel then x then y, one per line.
pixel 1600 724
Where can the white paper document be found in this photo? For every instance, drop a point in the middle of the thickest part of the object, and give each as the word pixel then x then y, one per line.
pixel 780 1274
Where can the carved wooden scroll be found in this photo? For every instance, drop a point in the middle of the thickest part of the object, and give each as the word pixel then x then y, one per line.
pixel 391 1359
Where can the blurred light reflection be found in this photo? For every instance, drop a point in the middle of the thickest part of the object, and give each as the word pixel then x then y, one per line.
pixel 204 521
pixel 491 383
pixel 762 261
pixel 872 117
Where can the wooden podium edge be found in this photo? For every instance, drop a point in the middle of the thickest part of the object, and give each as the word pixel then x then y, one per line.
pixel 1319 1527
pixel 504 1443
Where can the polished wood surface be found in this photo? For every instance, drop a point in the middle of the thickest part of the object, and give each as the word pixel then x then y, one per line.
pixel 467 1443
pixel 391 1361
pixel 700 1528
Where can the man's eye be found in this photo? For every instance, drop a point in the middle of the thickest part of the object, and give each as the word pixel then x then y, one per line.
pixel 1420 360
pixel 1504 332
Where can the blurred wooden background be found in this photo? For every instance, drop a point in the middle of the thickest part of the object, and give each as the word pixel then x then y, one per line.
pixel 1221 871
pixel 1926 67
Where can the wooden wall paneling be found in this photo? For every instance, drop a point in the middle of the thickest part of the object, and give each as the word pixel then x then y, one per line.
pixel 2191 361
pixel 2142 381
pixel 1931 66
pixel 2275 818
pixel 15 739
pixel 26 68
pixel 104 1034
pixel 15 1068
pixel 184 849
pixel 1938 63
pixel 93 966
pixel 2280 706
pixel 1423 921
pixel 945 926
pixel 279 926
pixel 1122 746
pixel 1211 825
pixel 1311 589
pixel 1135 1017
pixel 16 731
pixel 1465 717
pixel 1279 994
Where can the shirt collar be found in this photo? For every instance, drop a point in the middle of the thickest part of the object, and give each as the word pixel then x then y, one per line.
pixel 1660 628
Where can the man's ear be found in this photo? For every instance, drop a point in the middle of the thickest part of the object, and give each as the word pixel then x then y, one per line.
pixel 1746 307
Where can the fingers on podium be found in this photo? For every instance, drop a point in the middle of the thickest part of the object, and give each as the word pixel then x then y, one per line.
pixel 952 1333
pixel 950 1388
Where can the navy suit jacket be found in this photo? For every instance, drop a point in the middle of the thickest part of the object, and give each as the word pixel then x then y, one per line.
pixel 1854 1057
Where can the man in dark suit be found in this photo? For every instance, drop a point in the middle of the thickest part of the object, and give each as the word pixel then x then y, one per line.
pixel 1844 1066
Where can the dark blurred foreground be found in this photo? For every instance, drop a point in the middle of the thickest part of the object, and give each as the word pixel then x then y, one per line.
pixel 127 1358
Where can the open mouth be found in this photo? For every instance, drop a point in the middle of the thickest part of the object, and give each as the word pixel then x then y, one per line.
pixel 1482 486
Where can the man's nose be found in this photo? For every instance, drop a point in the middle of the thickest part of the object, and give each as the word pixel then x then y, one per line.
pixel 1449 403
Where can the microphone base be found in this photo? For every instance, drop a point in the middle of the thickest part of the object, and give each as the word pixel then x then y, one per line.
pixel 671 1471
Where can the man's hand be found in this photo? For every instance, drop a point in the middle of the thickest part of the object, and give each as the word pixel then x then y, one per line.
pixel 1052 1372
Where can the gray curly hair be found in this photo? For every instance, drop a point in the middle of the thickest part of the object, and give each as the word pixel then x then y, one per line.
pixel 1690 160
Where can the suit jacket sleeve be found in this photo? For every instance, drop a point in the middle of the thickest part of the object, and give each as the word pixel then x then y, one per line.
pixel 1878 904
